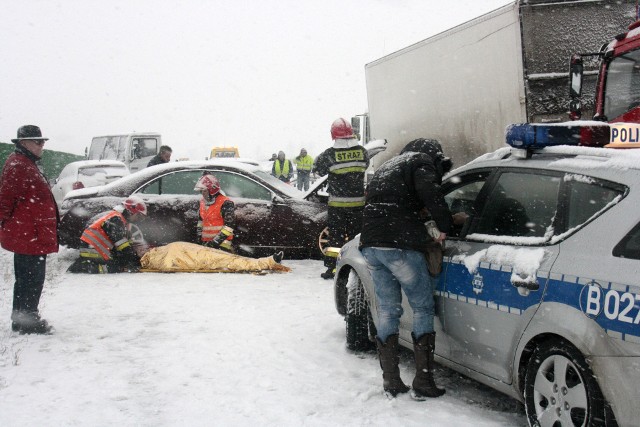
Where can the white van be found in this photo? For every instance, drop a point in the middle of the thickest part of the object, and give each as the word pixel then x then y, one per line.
pixel 133 149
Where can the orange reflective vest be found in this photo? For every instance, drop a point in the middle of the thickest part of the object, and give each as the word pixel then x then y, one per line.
pixel 212 220
pixel 99 241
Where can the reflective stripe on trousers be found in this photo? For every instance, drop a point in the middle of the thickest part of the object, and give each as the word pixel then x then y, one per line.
pixel 346 202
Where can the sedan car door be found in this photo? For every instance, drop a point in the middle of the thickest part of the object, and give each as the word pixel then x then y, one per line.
pixel 497 271
pixel 262 216
pixel 172 205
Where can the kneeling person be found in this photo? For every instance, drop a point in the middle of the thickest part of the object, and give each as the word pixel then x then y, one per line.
pixel 217 215
pixel 106 243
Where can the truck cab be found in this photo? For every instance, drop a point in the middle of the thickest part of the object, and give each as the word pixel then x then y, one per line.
pixel 617 96
pixel 134 149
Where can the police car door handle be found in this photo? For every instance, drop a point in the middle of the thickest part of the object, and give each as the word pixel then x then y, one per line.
pixel 531 285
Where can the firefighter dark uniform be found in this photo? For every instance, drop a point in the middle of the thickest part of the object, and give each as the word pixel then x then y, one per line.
pixel 106 246
pixel 345 163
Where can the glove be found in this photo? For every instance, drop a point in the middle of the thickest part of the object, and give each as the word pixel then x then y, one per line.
pixel 212 244
pixel 222 236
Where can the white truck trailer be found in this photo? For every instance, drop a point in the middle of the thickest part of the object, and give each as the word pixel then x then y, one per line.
pixel 465 85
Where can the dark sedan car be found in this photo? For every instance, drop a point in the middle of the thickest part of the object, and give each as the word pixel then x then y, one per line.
pixel 270 214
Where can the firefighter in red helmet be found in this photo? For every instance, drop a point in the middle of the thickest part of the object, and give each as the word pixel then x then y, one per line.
pixel 345 162
pixel 217 215
pixel 106 245
pixel 218 218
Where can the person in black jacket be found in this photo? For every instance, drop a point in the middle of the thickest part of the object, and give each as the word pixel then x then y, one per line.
pixel 345 163
pixel 164 156
pixel 402 195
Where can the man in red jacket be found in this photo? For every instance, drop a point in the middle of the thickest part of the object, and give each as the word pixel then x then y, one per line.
pixel 28 227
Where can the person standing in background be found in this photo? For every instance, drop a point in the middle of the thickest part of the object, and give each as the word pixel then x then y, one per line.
pixel 164 156
pixel 28 227
pixel 282 168
pixel 304 164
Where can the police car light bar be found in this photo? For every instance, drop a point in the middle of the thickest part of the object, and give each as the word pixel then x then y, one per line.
pixel 530 136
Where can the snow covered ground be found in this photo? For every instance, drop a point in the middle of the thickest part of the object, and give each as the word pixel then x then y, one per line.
pixel 154 349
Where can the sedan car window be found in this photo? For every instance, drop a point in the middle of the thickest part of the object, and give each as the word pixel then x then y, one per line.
pixel 231 184
pixel 181 182
pixel 235 185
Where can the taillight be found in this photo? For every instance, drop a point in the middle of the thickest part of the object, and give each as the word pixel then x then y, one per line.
pixel 77 185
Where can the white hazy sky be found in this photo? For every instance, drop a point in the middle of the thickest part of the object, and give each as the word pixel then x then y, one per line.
pixel 262 75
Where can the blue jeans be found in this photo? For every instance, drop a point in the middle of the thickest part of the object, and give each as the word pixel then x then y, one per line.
pixel 395 270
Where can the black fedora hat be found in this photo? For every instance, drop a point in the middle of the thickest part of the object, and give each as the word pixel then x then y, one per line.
pixel 29 132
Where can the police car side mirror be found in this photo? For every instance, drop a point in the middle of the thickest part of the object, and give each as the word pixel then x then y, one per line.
pixel 576 70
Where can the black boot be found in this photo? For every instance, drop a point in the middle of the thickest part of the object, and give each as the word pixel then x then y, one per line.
pixel 329 274
pixel 388 354
pixel 423 384
pixel 277 257
pixel 25 322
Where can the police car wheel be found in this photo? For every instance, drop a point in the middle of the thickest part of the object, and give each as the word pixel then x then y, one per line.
pixel 560 389
pixel 360 329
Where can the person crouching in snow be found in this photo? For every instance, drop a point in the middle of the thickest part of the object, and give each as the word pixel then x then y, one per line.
pixel 218 217
pixel 106 245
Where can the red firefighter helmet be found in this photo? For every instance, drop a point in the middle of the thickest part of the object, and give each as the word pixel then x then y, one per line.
pixel 134 205
pixel 209 183
pixel 341 129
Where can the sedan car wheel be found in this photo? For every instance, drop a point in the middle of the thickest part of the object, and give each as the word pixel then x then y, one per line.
pixel 323 240
pixel 360 327
pixel 560 389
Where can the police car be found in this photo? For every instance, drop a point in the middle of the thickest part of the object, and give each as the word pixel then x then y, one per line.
pixel 539 296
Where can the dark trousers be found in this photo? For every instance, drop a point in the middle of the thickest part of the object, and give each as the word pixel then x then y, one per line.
pixel 344 224
pixel 29 271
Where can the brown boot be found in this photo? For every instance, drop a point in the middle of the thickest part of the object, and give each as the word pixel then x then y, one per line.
pixel 423 384
pixel 388 354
